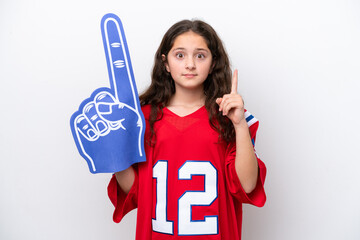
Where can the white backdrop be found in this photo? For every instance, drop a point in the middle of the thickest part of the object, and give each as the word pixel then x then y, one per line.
pixel 299 71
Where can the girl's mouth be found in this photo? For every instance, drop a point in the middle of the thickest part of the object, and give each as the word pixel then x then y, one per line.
pixel 189 75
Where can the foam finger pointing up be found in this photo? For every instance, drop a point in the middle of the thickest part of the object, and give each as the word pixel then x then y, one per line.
pixel 118 58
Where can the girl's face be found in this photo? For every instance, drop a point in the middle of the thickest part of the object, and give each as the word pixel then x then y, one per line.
pixel 189 61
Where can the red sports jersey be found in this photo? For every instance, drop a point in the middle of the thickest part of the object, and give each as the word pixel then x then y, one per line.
pixel 188 187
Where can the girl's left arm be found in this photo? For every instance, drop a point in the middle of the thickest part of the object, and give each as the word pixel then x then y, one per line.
pixel 246 163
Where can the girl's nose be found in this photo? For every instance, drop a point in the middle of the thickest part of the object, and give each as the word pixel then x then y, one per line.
pixel 190 63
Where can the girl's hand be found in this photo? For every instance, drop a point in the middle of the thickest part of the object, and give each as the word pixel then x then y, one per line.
pixel 232 105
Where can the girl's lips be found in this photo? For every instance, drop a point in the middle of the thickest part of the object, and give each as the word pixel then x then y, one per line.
pixel 189 75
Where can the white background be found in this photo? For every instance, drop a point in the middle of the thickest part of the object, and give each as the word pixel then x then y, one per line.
pixel 299 71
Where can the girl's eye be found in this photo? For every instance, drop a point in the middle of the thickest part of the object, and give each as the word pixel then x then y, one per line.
pixel 200 55
pixel 179 55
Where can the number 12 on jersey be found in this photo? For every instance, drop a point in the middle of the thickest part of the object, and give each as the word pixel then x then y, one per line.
pixel 186 226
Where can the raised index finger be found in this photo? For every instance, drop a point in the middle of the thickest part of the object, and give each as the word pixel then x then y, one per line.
pixel 121 75
pixel 234 83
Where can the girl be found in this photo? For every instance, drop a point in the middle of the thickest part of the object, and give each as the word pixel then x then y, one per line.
pixel 201 164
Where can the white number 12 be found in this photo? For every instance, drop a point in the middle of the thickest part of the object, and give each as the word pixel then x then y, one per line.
pixel 186 226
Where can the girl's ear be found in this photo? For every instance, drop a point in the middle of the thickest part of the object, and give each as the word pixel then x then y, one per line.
pixel 165 62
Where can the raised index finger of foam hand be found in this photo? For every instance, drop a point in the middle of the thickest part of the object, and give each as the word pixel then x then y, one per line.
pixel 118 60
pixel 234 83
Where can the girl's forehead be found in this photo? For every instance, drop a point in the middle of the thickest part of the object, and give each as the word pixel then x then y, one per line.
pixel 190 40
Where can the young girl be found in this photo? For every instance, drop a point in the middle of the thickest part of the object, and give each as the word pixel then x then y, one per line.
pixel 201 165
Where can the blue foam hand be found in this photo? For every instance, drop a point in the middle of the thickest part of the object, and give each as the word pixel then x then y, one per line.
pixel 109 127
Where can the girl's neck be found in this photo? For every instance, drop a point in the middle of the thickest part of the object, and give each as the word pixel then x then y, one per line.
pixel 183 103
pixel 188 99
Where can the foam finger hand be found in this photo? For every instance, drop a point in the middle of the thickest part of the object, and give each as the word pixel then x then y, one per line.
pixel 105 105
pixel 109 127
pixel 92 116
pixel 85 129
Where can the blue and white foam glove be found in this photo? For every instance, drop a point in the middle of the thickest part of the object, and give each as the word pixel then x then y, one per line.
pixel 109 127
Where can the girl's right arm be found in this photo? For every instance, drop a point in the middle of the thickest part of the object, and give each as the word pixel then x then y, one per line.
pixel 125 179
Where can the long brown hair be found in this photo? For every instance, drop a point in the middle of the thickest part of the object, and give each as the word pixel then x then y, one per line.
pixel 217 84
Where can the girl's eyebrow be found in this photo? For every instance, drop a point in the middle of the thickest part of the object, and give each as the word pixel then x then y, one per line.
pixel 177 49
pixel 197 49
pixel 202 49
